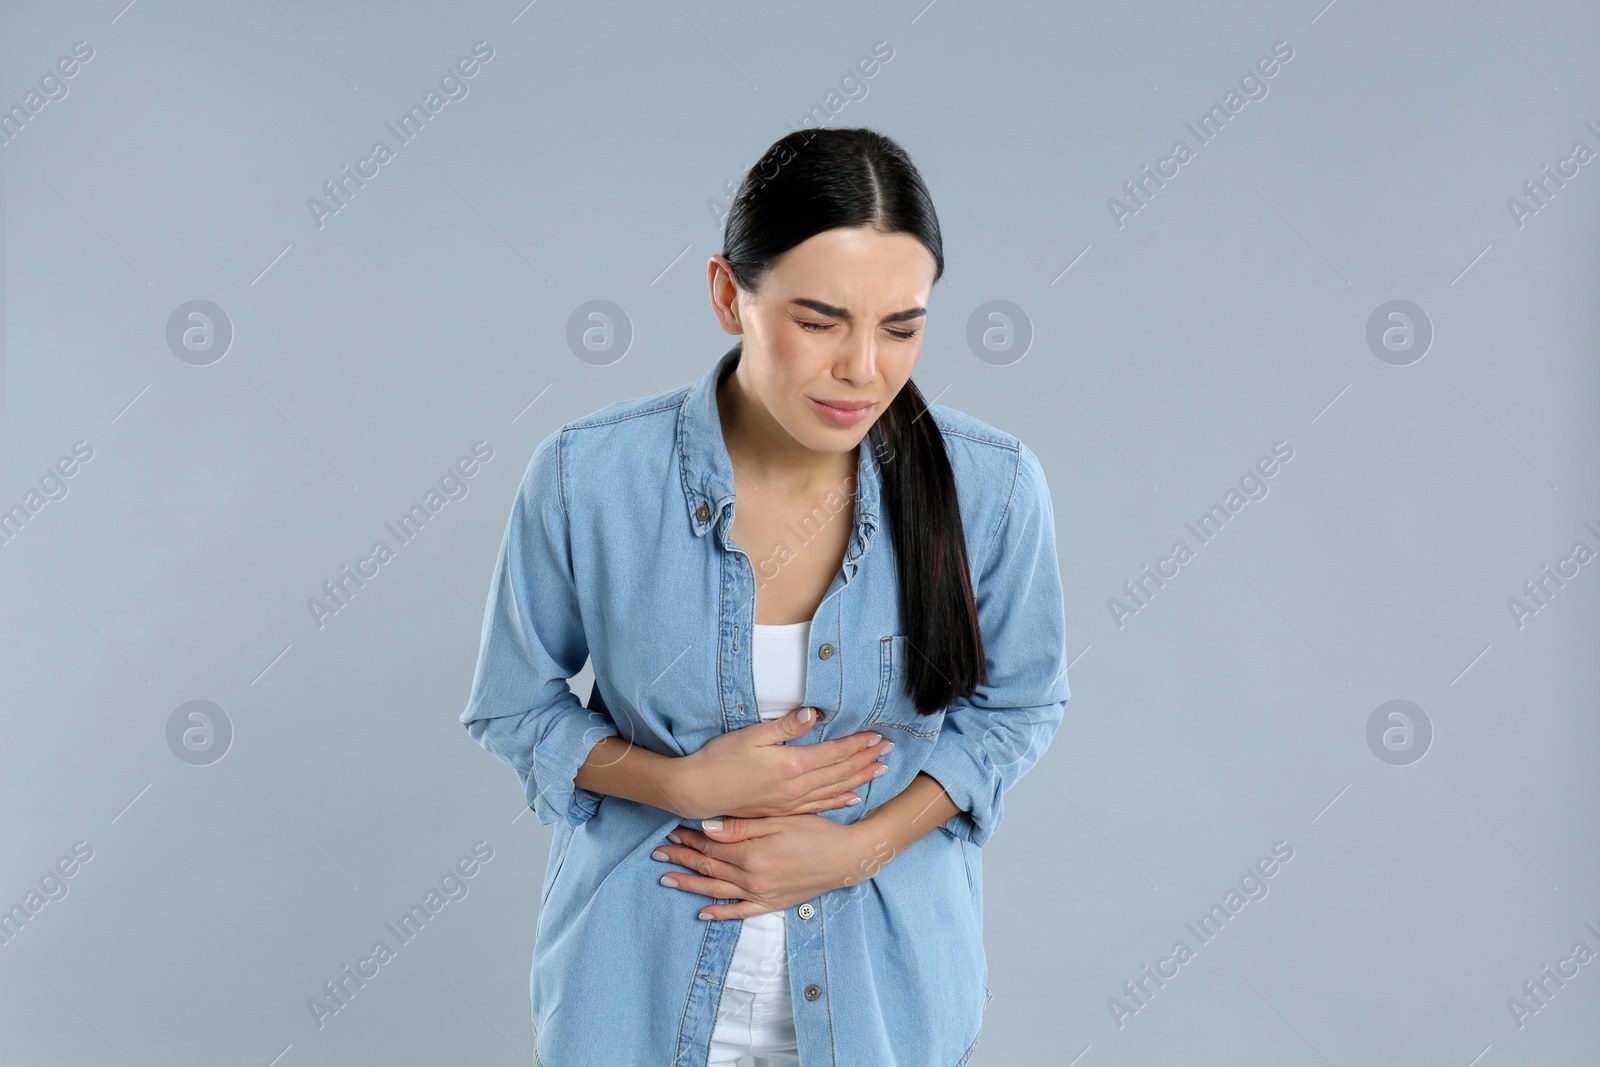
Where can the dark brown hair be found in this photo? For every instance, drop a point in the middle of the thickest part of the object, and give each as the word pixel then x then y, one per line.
pixel 815 180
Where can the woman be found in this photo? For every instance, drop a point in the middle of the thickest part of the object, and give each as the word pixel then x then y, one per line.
pixel 782 571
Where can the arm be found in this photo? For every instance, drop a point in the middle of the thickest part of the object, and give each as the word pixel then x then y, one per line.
pixel 619 768
pixel 750 772
pixel 993 738
pixel 567 756
pixel 802 857
pixel 901 820
pixel 520 708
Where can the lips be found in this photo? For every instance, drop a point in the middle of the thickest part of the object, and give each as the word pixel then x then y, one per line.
pixel 846 405
pixel 841 413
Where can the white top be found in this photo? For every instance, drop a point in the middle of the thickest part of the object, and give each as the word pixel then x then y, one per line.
pixel 761 955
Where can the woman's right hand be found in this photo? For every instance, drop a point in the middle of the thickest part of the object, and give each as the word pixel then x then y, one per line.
pixel 750 773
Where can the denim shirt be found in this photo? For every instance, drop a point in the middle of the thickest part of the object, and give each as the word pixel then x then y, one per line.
pixel 618 548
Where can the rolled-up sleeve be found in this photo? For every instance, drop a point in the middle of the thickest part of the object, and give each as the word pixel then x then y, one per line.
pixel 520 708
pixel 993 738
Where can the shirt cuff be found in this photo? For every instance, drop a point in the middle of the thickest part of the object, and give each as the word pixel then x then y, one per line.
pixel 557 758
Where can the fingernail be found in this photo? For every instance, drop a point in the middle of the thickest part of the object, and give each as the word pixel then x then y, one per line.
pixel 805 715
pixel 853 800
pixel 675 839
pixel 705 915
pixel 658 855
pixel 888 748
pixel 710 824
pixel 882 767
pixel 876 737
pixel 667 879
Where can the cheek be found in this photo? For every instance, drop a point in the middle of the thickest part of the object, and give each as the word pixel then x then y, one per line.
pixel 794 369
pixel 906 359
pixel 903 370
pixel 782 392
pixel 785 387
pixel 786 355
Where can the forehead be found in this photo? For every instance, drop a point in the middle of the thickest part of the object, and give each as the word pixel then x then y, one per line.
pixel 857 265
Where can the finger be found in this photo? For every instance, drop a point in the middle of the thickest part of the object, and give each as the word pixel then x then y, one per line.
pixel 690 837
pixel 840 800
pixel 829 798
pixel 742 909
pixel 729 829
pixel 706 887
pixel 816 807
pixel 866 762
pixel 705 862
pixel 722 850
pixel 837 776
pixel 789 726
pixel 850 774
pixel 841 748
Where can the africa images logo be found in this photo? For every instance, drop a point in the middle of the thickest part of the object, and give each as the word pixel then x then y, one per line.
pixel 340 191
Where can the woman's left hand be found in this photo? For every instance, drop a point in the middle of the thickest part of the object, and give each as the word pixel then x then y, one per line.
pixel 769 864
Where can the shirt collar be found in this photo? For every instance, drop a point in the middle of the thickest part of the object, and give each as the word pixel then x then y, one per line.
pixel 708 472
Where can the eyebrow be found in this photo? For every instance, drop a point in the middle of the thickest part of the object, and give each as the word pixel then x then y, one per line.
pixel 841 313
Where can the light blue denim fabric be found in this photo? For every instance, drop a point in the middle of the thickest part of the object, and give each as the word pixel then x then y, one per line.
pixel 618 548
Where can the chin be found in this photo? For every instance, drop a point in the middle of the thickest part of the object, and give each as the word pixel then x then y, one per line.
pixel 835 439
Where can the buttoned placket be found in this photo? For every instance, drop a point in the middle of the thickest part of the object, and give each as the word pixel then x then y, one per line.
pixel 712 508
pixel 805 929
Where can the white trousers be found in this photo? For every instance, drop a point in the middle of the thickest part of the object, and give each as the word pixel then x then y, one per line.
pixel 754 1030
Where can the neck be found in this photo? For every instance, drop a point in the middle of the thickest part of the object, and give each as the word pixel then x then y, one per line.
pixel 762 451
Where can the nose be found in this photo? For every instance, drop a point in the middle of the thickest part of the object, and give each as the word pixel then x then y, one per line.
pixel 858 363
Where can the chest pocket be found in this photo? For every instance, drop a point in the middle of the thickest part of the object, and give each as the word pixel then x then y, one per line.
pixel 893 707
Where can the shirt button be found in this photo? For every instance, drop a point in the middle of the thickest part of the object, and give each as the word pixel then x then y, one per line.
pixel 806 911
pixel 826 651
pixel 703 513
pixel 813 991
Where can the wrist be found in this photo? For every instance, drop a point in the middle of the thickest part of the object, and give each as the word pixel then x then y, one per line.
pixel 902 820
pixel 871 846
pixel 675 784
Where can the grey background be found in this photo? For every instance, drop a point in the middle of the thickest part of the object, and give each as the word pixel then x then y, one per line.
pixel 432 311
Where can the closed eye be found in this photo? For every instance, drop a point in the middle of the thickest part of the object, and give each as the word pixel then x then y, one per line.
pixel 823 327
